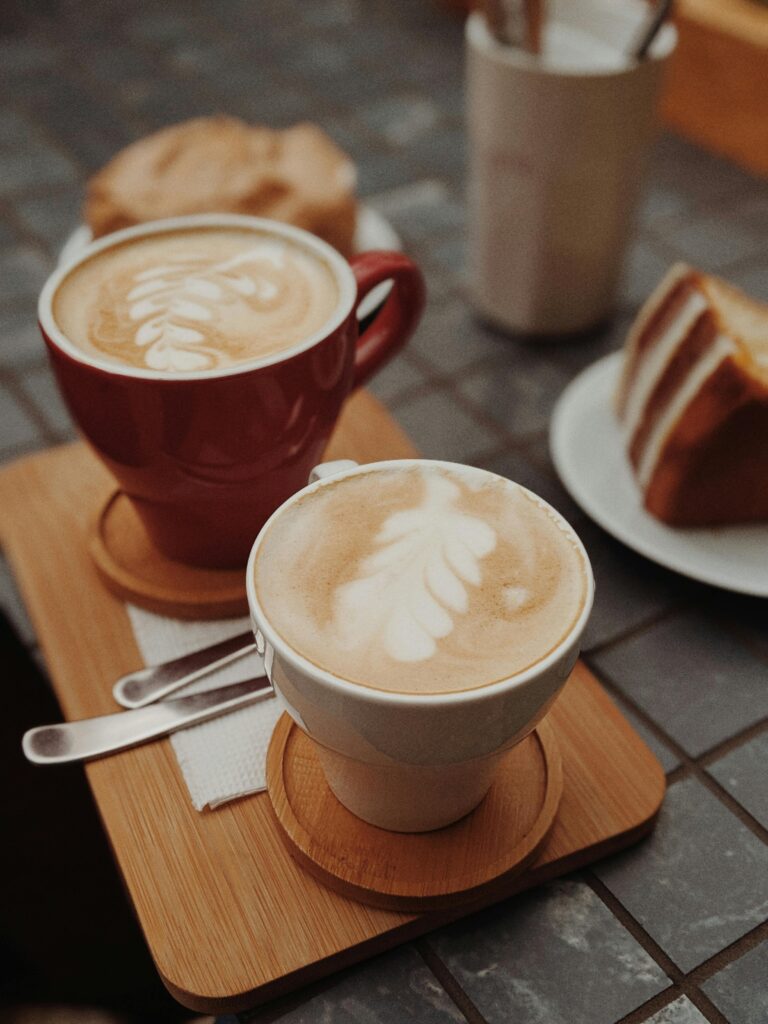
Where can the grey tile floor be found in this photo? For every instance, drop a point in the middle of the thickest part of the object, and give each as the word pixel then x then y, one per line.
pixel 674 931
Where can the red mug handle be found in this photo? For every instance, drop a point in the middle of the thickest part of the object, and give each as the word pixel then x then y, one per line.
pixel 395 322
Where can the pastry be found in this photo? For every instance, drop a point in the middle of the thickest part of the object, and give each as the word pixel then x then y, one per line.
pixel 220 164
pixel 693 402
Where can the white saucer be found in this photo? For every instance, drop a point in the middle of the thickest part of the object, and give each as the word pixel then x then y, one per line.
pixel 588 454
pixel 373 232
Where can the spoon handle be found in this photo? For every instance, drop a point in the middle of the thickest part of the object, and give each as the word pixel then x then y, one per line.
pixel 95 737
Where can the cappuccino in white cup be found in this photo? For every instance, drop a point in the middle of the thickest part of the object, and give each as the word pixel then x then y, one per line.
pixel 418 618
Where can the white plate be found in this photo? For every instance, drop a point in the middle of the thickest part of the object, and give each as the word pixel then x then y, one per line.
pixel 587 451
pixel 373 232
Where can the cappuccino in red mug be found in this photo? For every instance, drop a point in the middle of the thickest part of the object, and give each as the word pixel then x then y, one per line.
pixel 206 360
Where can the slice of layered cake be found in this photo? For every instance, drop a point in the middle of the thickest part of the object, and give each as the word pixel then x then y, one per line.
pixel 693 402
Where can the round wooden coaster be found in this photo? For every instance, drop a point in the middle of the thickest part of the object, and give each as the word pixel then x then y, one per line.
pixel 134 570
pixel 414 871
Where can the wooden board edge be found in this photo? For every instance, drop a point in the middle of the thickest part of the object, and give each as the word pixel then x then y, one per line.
pixel 20 466
pixel 411 929
pixel 655 796
pixel 419 925
pixel 309 974
pixel 38 462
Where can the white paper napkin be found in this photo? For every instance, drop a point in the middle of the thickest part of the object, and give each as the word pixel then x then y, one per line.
pixel 224 758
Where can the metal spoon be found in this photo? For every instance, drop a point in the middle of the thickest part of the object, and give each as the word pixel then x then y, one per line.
pixel 94 737
pixel 147 685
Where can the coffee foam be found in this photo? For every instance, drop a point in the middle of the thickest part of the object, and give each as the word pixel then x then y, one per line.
pixel 195 300
pixel 421 580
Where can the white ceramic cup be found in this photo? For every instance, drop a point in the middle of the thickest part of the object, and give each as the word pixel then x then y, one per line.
pixel 557 149
pixel 408 762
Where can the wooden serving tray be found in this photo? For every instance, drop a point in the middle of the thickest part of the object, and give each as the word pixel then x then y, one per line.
pixel 230 919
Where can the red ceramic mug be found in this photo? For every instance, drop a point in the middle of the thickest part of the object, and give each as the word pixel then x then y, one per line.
pixel 207 457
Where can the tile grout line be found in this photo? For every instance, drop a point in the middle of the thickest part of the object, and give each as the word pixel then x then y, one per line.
pixel 719 749
pixel 729 954
pixel 705 1006
pixel 689 764
pixel 654 619
pixel 643 1013
pixel 653 726
pixel 633 926
pixel 742 638
pixel 682 982
pixel 696 767
pixel 447 384
pixel 729 801
pixel 449 982
pixel 733 743
pixel 687 982
pixel 441 384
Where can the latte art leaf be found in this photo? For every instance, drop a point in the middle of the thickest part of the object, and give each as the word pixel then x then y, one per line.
pixel 167 300
pixel 197 300
pixel 409 590
pixel 420 578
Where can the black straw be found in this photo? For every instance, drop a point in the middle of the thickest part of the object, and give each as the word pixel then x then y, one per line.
pixel 660 14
